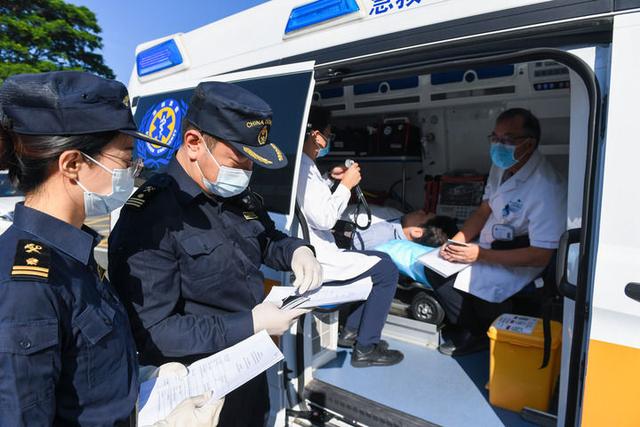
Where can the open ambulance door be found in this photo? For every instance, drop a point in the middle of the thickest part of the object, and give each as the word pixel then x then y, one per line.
pixel 604 377
pixel 589 79
pixel 287 89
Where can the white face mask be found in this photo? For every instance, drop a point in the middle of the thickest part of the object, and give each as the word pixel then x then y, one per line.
pixel 230 181
pixel 122 182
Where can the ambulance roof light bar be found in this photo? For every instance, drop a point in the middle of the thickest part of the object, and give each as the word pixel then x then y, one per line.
pixel 159 57
pixel 318 12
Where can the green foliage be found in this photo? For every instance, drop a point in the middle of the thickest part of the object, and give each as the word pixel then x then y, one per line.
pixel 48 35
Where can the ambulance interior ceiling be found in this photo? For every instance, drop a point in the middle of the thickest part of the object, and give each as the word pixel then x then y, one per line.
pixel 448 114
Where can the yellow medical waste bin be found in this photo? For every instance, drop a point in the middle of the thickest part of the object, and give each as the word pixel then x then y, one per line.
pixel 515 378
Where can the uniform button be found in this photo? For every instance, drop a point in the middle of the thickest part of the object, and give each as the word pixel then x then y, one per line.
pixel 107 321
pixel 26 344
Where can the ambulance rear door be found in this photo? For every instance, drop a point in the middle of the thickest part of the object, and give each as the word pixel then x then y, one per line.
pixel 611 354
pixel 287 89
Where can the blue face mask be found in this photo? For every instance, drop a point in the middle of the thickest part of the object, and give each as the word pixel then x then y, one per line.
pixel 230 181
pixel 503 156
pixel 324 151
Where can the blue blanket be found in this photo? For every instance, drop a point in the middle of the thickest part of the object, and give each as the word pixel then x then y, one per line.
pixel 404 254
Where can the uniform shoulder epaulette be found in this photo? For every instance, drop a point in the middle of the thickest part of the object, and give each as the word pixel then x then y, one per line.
pixel 32 261
pixel 147 192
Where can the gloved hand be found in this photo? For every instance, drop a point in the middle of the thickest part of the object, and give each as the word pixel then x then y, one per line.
pixel 307 270
pixel 267 316
pixel 196 411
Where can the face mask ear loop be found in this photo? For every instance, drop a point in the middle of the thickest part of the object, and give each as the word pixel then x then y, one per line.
pixel 204 178
pixel 82 186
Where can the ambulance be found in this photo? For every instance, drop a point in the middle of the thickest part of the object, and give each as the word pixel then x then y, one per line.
pixel 414 87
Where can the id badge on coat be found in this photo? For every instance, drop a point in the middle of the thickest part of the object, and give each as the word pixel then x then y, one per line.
pixel 503 232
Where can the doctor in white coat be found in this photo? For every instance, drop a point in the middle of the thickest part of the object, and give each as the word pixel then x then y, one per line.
pixel 322 209
pixel 519 224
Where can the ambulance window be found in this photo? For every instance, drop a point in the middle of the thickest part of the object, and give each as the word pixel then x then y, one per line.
pixel 287 96
pixel 161 116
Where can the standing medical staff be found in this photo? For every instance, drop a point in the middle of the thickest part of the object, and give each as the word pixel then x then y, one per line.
pixel 520 221
pixel 322 209
pixel 187 250
pixel 67 356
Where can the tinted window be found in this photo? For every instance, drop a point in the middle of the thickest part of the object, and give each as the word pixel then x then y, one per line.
pixel 162 116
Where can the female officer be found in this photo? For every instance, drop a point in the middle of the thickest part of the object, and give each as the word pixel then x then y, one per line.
pixel 66 352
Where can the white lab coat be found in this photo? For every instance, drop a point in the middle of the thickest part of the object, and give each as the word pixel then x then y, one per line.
pixel 322 209
pixel 536 197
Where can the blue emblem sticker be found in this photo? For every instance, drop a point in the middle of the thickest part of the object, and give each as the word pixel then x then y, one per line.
pixel 163 122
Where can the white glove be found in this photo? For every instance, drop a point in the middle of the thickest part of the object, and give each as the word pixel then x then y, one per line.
pixel 197 411
pixel 307 270
pixel 194 412
pixel 269 317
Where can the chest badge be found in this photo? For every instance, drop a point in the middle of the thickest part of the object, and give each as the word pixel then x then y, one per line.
pixel 249 215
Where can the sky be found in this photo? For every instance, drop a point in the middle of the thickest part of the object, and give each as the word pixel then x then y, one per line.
pixel 127 23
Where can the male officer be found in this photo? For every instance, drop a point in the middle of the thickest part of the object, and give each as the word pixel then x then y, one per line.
pixel 520 222
pixel 186 252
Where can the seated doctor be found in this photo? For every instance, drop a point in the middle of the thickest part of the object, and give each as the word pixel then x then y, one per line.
pixel 420 227
pixel 322 209
pixel 519 224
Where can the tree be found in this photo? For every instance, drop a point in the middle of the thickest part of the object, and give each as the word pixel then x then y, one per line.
pixel 48 35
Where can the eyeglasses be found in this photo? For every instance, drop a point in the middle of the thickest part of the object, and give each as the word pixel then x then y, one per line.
pixel 506 140
pixel 134 166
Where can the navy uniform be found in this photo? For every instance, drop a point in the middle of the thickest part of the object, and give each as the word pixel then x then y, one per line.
pixel 187 264
pixel 67 356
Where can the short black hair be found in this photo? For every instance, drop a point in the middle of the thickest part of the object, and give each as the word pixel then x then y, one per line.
pixel 437 231
pixel 530 123
pixel 319 118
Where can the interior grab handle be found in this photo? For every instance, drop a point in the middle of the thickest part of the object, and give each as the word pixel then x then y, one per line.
pixel 568 238
pixel 632 290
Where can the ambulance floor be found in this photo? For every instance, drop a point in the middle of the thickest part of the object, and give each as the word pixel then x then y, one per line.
pixel 439 389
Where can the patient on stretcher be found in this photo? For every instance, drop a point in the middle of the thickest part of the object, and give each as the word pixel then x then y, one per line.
pixel 405 238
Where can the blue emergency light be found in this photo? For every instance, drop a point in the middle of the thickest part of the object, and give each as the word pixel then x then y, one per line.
pixel 319 11
pixel 159 57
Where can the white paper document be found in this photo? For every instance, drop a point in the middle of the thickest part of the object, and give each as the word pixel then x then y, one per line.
pixel 435 262
pixel 220 374
pixel 325 295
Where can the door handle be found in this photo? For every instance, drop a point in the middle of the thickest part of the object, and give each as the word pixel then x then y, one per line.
pixel 568 238
pixel 632 290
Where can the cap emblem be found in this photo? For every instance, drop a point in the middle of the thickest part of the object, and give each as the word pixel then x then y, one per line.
pixel 263 135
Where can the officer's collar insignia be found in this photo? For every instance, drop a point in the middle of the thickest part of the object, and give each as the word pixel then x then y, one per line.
pixel 256 156
pixel 125 101
pixel 32 261
pixel 249 215
pixel 141 196
pixel 263 135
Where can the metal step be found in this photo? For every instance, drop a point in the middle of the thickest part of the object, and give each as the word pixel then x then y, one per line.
pixel 411 331
pixel 357 410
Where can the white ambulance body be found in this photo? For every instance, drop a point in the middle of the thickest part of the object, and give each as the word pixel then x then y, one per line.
pixel 446 68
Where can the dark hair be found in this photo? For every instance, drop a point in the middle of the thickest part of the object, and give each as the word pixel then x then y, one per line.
pixel 530 123
pixel 31 158
pixel 319 118
pixel 437 230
